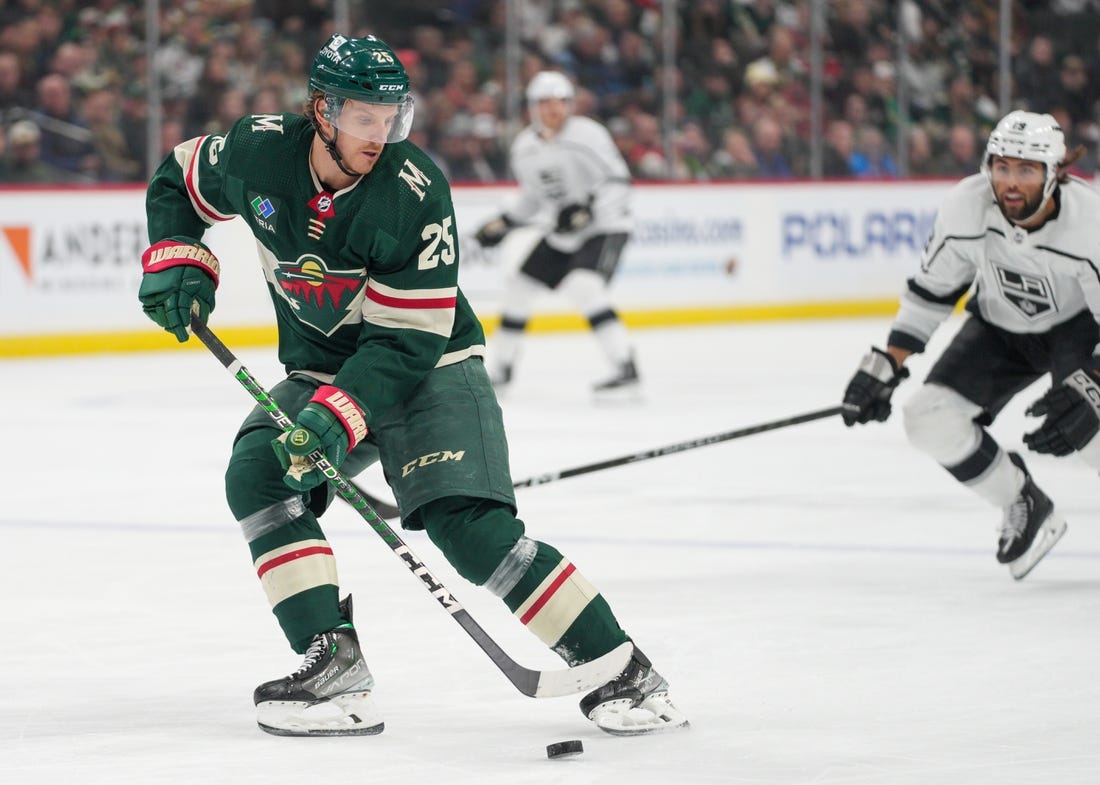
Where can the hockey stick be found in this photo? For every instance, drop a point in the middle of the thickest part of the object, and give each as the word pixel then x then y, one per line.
pixel 679 447
pixel 388 510
pixel 533 683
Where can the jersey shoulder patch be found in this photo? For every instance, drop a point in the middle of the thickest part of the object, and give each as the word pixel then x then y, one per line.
pixel 416 174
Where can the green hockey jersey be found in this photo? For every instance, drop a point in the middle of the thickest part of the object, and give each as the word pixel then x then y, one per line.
pixel 364 280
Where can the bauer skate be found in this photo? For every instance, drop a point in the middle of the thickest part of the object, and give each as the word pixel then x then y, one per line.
pixel 1031 527
pixel 634 703
pixel 329 694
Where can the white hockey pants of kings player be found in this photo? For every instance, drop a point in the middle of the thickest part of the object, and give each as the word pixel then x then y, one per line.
pixel 940 422
pixel 585 290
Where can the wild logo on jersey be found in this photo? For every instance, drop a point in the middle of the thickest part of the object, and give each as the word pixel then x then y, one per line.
pixel 1031 294
pixel 322 298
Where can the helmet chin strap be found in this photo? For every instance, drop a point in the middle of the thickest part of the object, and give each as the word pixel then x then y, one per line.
pixel 330 145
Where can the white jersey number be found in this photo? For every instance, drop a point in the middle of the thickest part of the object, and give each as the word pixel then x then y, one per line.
pixel 429 259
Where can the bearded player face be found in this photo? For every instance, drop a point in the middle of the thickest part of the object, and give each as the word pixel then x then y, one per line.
pixel 1018 186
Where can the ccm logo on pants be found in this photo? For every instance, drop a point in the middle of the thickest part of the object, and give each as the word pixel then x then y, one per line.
pixel 430 458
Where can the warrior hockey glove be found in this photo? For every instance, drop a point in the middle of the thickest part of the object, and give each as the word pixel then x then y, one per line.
pixel 332 422
pixel 574 218
pixel 868 395
pixel 1072 411
pixel 492 232
pixel 179 277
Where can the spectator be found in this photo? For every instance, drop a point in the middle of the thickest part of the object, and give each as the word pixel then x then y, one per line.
pixel 634 70
pixel 872 158
pixel 180 61
pixel 840 142
pixel 133 114
pixel 921 160
pixel 65 141
pixel 1076 94
pixel 13 93
pixel 767 145
pixel 1036 74
pixel 647 156
pixel 735 159
pixel 692 152
pixel 710 102
pixel 961 157
pixel 463 152
pixel 114 158
pixel 23 163
pixel 761 80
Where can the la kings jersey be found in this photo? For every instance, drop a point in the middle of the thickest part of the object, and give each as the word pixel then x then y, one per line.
pixel 364 280
pixel 581 163
pixel 1024 282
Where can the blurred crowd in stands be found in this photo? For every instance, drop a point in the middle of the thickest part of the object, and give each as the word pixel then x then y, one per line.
pixel 73 73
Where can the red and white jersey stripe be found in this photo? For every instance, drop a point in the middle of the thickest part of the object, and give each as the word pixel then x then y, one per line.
pixel 187 156
pixel 429 310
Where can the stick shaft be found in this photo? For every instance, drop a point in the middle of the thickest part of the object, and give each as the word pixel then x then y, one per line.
pixel 679 447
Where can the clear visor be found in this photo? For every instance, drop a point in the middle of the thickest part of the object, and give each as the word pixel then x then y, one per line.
pixel 379 123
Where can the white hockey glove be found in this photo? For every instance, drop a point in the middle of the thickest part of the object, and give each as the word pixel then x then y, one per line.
pixel 1072 411
pixel 868 394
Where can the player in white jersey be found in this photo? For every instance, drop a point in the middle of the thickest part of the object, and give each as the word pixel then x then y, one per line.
pixel 572 177
pixel 1029 252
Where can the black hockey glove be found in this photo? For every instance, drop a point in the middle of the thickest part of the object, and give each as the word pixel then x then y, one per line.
pixel 1072 411
pixel 492 232
pixel 868 395
pixel 573 218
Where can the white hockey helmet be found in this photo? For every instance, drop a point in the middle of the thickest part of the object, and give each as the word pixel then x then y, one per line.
pixel 1031 137
pixel 549 84
pixel 544 85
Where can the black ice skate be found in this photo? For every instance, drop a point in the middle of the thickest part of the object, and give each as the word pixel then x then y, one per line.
pixel 634 703
pixel 329 695
pixel 625 380
pixel 1031 527
pixel 501 377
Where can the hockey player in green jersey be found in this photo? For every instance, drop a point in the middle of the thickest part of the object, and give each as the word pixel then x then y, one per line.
pixel 383 354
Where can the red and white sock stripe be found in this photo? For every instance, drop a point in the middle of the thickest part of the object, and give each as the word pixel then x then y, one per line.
pixel 556 603
pixel 294 568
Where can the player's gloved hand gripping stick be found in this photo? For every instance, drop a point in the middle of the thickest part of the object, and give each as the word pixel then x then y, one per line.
pixel 533 683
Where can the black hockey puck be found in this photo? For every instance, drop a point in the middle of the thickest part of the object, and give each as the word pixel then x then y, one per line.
pixel 564 749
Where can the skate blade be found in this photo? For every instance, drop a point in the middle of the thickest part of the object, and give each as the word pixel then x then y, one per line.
pixel 348 714
pixel 624 393
pixel 1048 536
pixel 655 714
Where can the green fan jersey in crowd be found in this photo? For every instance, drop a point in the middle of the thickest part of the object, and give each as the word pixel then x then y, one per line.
pixel 338 264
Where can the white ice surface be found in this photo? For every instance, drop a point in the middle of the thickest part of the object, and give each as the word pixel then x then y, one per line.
pixel 824 601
